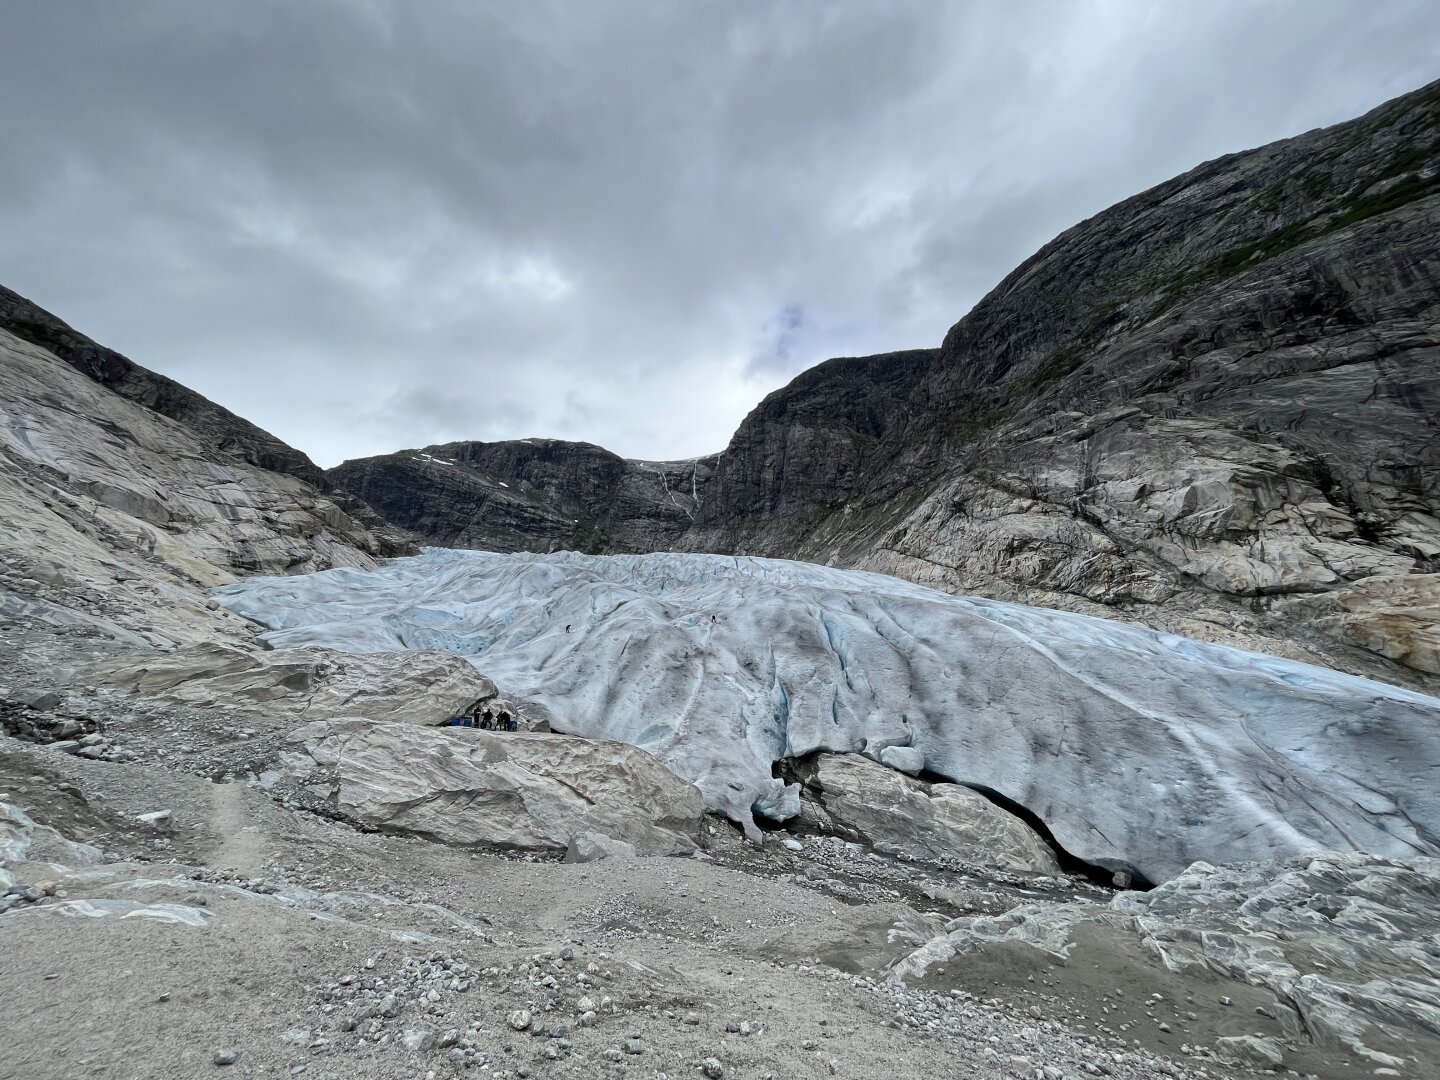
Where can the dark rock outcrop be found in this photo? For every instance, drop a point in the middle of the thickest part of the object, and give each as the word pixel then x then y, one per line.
pixel 846 429
pixel 1210 409
pixel 532 495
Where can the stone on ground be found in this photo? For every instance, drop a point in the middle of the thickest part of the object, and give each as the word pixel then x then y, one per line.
pixel 592 847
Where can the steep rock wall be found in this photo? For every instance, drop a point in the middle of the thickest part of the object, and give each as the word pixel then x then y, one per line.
pixel 1212 409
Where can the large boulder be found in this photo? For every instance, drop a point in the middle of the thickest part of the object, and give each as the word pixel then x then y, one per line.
pixel 898 815
pixel 212 673
pixel 423 688
pixel 525 791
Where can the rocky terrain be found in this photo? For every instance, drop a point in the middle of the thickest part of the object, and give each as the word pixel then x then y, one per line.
pixel 1211 409
pixel 125 496
pixel 532 495
pixel 192 905
pixel 791 820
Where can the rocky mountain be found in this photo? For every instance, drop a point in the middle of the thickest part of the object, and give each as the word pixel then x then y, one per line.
pixel 532 495
pixel 291 852
pixel 126 495
pixel 1210 409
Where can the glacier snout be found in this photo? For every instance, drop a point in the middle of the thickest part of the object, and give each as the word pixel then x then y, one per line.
pixel 1141 751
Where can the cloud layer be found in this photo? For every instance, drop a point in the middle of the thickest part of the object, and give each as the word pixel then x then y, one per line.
pixel 369 224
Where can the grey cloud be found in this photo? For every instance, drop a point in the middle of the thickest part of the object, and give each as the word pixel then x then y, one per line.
pixel 362 223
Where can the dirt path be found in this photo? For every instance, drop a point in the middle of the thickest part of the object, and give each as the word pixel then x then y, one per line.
pixel 241 845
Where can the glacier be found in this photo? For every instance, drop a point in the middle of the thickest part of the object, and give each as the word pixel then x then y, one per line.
pixel 1141 751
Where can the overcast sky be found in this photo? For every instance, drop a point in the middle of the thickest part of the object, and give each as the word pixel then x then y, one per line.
pixel 375 224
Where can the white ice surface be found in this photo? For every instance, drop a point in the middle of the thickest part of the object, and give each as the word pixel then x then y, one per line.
pixel 1140 750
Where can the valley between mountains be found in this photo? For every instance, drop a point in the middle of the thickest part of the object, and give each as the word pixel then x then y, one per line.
pixel 1054 703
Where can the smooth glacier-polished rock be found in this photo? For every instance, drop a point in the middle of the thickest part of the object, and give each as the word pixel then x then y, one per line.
pixel 421 688
pixel 523 791
pixel 1142 751
pixel 897 815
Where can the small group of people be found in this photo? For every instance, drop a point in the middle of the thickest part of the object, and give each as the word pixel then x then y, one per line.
pixel 488 716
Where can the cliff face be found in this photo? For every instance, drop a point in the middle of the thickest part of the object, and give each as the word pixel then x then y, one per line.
pixel 842 431
pixel 126 495
pixel 227 436
pixel 532 495
pixel 1210 409
pixel 1213 406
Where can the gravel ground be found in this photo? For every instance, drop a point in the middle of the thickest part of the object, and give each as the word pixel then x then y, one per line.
pixel 247 937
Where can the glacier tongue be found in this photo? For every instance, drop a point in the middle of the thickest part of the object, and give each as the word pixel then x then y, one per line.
pixel 1141 751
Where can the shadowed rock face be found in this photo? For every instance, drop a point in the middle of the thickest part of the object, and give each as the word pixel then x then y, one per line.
pixel 532 495
pixel 1210 409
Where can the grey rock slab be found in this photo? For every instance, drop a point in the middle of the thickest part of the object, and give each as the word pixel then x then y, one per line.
pixel 38 700
pixel 424 687
pixel 592 847
pixel 525 791
pixel 901 816
pixel 1339 939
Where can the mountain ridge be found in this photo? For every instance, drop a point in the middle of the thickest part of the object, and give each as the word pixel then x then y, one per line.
pixel 1208 409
